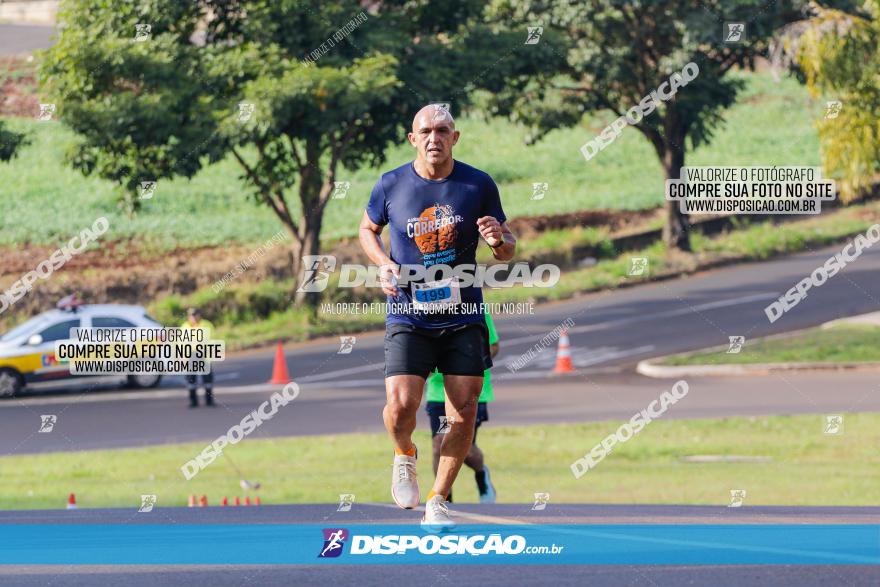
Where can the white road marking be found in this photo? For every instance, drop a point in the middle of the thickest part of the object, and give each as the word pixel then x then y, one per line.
pixel 143 394
pixel 338 372
pixel 475 517
pixel 646 317
pixel 181 380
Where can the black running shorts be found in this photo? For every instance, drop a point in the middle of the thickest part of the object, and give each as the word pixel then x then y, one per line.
pixel 460 350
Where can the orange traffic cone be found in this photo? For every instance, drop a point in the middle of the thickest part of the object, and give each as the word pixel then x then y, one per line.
pixel 203 502
pixel 563 355
pixel 224 501
pixel 237 501
pixel 247 500
pixel 192 501
pixel 280 376
pixel 71 502
pixel 257 500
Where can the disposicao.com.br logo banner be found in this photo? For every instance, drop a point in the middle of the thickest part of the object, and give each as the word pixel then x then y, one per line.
pixel 525 544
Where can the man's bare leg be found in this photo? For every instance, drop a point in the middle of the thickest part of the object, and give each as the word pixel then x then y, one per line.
pixel 474 458
pixel 436 443
pixel 462 392
pixel 403 394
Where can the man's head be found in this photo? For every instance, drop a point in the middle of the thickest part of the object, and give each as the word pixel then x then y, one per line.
pixel 433 134
pixel 193 315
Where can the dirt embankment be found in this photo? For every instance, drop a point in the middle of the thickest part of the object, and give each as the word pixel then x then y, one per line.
pixel 18 87
pixel 119 272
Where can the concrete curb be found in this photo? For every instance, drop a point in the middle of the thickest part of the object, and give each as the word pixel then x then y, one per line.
pixel 651 368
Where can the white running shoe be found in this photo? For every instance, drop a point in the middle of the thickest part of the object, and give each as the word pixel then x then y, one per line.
pixel 436 518
pixel 404 485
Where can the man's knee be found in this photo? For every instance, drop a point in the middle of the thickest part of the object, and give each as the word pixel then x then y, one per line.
pixel 467 411
pixel 398 409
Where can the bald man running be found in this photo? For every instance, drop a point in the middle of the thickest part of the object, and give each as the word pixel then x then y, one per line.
pixel 438 210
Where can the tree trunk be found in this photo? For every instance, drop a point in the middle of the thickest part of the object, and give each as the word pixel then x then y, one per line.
pixel 310 245
pixel 313 194
pixel 676 229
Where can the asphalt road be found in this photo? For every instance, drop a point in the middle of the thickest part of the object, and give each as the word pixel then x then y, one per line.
pixel 612 331
pixel 21 39
pixel 445 574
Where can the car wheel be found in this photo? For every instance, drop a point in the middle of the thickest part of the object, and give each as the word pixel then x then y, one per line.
pixel 10 383
pixel 144 381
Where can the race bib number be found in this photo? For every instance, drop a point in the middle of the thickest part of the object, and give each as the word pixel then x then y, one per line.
pixel 436 295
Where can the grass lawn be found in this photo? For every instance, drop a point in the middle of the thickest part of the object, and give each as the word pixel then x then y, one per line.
pixel 850 343
pixel 807 467
pixel 44 201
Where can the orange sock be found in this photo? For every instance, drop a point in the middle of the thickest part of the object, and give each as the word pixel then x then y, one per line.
pixel 410 453
pixel 432 493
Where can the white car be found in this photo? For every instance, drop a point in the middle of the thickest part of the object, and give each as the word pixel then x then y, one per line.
pixel 27 352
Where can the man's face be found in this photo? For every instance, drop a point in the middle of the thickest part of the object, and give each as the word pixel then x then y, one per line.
pixel 433 135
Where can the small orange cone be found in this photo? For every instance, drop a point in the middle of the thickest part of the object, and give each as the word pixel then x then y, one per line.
pixel 280 376
pixel 563 355
pixel 192 501
pixel 237 501
pixel 203 502
pixel 247 500
pixel 257 500
pixel 224 501
pixel 71 502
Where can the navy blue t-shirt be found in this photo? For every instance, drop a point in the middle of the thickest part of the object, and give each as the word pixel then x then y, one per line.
pixel 434 222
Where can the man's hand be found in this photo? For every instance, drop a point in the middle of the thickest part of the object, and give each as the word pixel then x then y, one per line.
pixel 389 273
pixel 490 229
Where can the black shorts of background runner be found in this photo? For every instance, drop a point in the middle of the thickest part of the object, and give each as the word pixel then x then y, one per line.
pixel 459 350
pixel 437 409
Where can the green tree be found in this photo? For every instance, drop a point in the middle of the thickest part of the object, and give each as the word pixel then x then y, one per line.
pixel 269 83
pixel 616 52
pixel 837 54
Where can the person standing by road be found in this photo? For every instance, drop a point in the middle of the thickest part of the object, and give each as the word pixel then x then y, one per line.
pixel 194 320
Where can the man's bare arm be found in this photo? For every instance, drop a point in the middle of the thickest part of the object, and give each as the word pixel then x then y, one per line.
pixel 506 251
pixel 370 236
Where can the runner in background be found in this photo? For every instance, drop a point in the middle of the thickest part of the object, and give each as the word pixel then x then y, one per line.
pixel 436 408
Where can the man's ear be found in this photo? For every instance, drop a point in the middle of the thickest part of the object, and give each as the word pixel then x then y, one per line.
pixel 412 139
pixel 455 136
